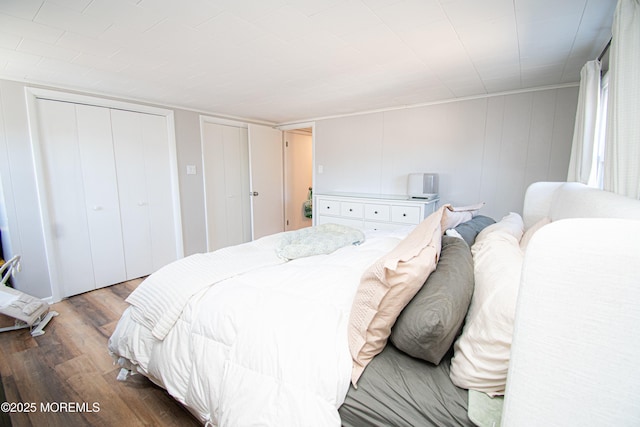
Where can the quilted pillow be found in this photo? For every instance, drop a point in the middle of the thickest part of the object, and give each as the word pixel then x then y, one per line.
pixel 481 354
pixel 429 324
pixel 387 286
pixel 321 239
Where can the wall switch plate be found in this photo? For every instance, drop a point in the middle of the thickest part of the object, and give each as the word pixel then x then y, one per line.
pixel 191 169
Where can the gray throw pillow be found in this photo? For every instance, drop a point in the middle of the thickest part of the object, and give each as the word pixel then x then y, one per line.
pixel 470 229
pixel 429 324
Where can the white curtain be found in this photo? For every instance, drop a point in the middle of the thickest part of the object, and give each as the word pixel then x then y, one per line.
pixel 622 156
pixel 586 126
pixel 596 179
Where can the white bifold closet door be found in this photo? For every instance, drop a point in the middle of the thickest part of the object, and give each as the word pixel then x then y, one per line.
pixel 108 194
pixel 82 195
pixel 144 185
pixel 102 203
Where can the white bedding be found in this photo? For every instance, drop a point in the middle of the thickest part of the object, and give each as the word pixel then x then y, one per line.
pixel 161 298
pixel 267 346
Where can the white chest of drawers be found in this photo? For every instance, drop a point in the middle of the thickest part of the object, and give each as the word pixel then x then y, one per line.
pixel 376 212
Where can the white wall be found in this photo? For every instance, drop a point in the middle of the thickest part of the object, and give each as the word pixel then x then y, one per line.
pixel 23 227
pixel 20 211
pixel 189 146
pixel 487 149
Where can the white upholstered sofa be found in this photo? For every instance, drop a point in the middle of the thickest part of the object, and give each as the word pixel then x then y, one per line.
pixel 575 356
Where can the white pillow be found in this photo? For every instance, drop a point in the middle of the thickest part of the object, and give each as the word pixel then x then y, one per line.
pixel 526 237
pixel 482 352
pixel 511 224
pixel 456 215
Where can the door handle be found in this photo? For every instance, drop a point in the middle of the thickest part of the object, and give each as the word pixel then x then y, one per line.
pixel 253 193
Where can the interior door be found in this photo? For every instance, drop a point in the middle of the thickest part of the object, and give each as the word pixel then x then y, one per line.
pixel 225 155
pixel 267 182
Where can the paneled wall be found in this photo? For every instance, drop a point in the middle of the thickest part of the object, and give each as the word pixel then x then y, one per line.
pixel 486 149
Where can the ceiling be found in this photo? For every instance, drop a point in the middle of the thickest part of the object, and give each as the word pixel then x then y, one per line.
pixel 283 61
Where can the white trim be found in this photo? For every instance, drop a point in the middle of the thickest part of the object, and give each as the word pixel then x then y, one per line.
pixel 201 122
pixel 75 98
pixel 251 198
pixel 32 95
pixel 175 183
pixel 42 85
pixel 45 209
pixel 302 131
pixel 313 166
pixel 298 124
pixel 223 121
pixel 294 123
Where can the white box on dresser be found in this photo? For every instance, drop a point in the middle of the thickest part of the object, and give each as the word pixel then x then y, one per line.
pixel 371 211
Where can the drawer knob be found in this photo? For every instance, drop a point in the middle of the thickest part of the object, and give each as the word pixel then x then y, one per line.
pixel 350 210
pixel 375 212
pixel 404 214
pixel 328 207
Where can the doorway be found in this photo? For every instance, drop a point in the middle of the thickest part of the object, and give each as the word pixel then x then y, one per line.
pixel 298 173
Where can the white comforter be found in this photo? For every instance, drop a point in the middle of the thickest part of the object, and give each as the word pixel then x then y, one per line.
pixel 267 346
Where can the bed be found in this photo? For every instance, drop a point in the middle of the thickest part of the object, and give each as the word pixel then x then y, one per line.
pixel 258 334
pixel 258 340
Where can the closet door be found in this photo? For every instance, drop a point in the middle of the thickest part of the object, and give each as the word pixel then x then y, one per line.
pixel 82 195
pixel 65 197
pixel 144 185
pixel 102 204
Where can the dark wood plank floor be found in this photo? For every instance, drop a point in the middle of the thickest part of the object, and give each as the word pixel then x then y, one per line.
pixel 70 363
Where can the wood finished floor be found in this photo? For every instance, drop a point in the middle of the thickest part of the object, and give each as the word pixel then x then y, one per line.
pixel 70 363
